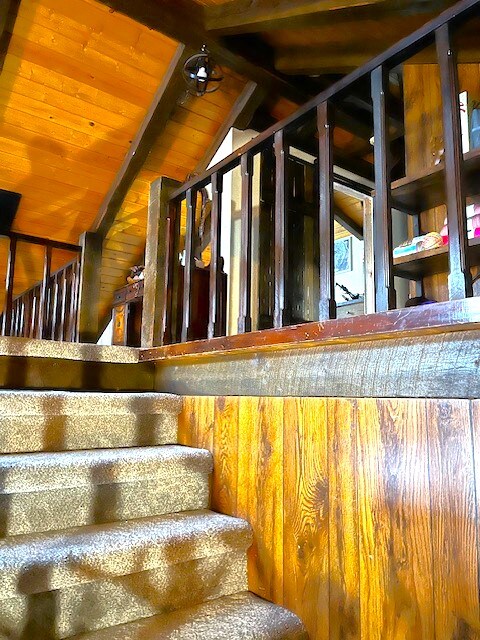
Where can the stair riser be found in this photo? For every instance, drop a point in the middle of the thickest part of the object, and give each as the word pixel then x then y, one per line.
pixel 106 603
pixel 77 432
pixel 58 509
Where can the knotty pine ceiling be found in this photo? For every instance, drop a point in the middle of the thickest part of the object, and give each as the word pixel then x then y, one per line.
pixel 76 84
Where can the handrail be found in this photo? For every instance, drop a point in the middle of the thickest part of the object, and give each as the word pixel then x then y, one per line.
pixel 397 53
pixel 324 112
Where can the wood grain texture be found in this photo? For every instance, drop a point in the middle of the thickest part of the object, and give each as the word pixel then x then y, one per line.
pixel 364 512
pixel 306 512
pixel 454 529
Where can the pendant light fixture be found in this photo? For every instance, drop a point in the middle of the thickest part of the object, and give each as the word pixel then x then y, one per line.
pixel 201 73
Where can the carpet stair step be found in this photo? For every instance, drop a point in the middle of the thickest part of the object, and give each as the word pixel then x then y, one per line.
pixel 59 421
pixel 35 563
pixel 242 616
pixel 53 491
pixel 107 602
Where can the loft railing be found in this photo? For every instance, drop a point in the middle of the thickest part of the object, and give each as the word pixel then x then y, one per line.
pixel 459 174
pixel 49 309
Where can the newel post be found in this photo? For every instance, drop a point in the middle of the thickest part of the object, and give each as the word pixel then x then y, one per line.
pixel 89 287
pixel 158 250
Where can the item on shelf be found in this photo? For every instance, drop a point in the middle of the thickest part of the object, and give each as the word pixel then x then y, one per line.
pixel 472 212
pixel 136 274
pixel 418 301
pixel 430 240
pixel 475 128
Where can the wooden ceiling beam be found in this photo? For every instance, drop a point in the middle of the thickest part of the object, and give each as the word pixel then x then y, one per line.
pixel 240 116
pixel 158 114
pixel 241 16
pixel 314 61
pixel 183 20
pixel 8 15
pixel 347 222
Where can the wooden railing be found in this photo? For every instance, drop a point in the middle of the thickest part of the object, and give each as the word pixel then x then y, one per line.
pixel 458 174
pixel 49 309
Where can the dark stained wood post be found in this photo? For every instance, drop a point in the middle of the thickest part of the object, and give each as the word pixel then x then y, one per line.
pixel 459 278
pixel 7 314
pixel 189 265
pixel 214 312
pixel 385 297
pixel 42 317
pixel 157 260
pixel 245 301
pixel 327 307
pixel 280 313
pixel 89 287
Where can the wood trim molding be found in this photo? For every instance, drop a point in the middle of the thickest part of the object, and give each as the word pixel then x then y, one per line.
pixel 442 317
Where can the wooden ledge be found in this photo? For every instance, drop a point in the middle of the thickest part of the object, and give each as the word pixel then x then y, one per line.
pixel 441 317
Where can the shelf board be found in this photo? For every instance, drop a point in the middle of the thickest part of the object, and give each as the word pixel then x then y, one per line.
pixel 430 262
pixel 426 189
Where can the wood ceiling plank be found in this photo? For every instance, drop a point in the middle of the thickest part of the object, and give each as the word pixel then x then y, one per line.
pixel 240 16
pixel 155 120
pixel 182 20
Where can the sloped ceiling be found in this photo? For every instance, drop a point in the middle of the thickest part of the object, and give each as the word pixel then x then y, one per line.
pixel 76 84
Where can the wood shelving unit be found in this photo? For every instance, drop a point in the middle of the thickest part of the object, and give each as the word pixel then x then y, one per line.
pixel 425 190
pixel 432 261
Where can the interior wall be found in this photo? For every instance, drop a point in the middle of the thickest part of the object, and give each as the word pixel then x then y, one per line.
pixel 364 511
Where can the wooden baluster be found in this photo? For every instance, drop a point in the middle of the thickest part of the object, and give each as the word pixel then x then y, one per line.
pixel 385 297
pixel 7 315
pixel 47 265
pixel 245 297
pixel 327 306
pixel 459 278
pixel 74 299
pixel 172 274
pixel 55 301
pixel 72 303
pixel 63 308
pixel 215 308
pixel 189 266
pixel 281 147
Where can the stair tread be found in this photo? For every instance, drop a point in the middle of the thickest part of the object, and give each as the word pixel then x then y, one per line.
pixel 241 616
pixel 25 472
pixel 21 403
pixel 33 563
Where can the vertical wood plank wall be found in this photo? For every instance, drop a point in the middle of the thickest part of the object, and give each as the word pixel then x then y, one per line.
pixel 364 511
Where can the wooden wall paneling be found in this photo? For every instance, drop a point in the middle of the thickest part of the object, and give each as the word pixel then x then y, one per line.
pixel 225 455
pixel 344 600
pixel 260 491
pixel 306 513
pixel 454 515
pixel 395 521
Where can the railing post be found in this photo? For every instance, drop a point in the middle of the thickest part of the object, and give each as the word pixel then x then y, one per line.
pixel 327 305
pixel 281 147
pixel 459 278
pixel 89 287
pixel 189 266
pixel 385 297
pixel 7 314
pixel 214 312
pixel 157 261
pixel 245 302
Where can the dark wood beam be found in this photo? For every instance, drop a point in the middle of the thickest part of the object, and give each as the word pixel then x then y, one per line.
pixel 157 116
pixel 240 116
pixel 314 61
pixel 8 15
pixel 183 20
pixel 242 16
pixel 347 222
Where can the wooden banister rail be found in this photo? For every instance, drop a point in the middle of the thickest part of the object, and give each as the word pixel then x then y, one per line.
pixel 48 309
pixel 279 138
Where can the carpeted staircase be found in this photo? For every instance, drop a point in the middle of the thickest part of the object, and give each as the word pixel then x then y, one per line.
pixel 106 532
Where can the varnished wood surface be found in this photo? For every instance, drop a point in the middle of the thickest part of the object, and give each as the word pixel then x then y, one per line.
pixel 456 315
pixel 363 511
